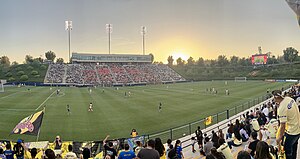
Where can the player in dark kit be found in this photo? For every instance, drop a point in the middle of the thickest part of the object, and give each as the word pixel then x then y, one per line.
pixel 159 107
pixel 68 109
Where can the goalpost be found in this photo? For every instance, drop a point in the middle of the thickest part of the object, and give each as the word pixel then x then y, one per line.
pixel 2 82
pixel 240 79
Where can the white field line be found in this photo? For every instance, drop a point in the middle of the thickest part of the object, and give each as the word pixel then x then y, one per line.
pixel 10 109
pixel 9 95
pixel 45 100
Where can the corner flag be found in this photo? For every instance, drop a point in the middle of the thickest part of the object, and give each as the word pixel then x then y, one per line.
pixel 208 120
pixel 29 125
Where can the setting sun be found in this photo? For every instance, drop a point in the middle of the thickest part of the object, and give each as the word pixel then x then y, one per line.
pixel 183 56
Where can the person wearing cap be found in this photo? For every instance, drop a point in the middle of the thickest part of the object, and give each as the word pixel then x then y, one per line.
pixel 289 118
pixel 19 149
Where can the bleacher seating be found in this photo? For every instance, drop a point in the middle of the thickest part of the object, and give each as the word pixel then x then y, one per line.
pixel 55 73
pixel 110 74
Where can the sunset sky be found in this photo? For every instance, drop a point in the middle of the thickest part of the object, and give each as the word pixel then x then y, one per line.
pixel 197 28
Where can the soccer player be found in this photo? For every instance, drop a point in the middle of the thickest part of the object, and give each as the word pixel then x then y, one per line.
pixel 68 109
pixel 159 107
pixel 90 107
pixel 90 90
pixel 227 92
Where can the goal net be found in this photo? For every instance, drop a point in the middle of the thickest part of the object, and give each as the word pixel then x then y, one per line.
pixel 240 79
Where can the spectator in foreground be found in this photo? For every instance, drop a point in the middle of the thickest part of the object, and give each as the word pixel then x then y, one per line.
pixel 210 156
pixel 57 143
pixel 70 154
pixel 289 118
pixel 216 154
pixel 262 151
pixel 2 156
pixel 224 149
pixel 138 147
pixel 220 134
pixel 178 149
pixel 127 154
pixel 215 139
pixel 243 155
pixel 255 125
pixel 33 153
pixel 160 148
pixel 171 153
pixel 109 151
pixel 8 152
pixel 49 154
pixel 253 143
pixel 86 153
pixel 236 130
pixel 149 152
pixel 199 136
pixel 243 133
pixel 19 149
pixel 229 135
pixel 208 145
pixel 168 149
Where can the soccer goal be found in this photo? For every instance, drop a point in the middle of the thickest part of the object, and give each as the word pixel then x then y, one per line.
pixel 240 79
pixel 2 82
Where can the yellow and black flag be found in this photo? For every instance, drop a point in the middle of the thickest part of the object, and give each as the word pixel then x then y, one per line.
pixel 29 125
pixel 208 120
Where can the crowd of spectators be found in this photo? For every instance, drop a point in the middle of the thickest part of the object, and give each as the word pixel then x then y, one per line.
pixel 105 76
pixel 74 74
pixel 110 74
pixel 55 73
pixel 89 75
pixel 257 128
pixel 136 74
pixel 120 74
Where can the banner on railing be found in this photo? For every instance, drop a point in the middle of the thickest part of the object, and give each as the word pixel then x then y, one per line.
pixel 208 120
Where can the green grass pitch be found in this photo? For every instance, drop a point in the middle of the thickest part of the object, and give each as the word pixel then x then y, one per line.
pixel 116 114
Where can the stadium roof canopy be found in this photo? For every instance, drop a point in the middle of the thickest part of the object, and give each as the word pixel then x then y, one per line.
pixel 124 58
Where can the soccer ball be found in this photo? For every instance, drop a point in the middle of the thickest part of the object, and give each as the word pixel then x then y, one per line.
pixel 183 134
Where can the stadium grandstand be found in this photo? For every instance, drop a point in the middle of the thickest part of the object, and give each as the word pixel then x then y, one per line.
pixel 110 70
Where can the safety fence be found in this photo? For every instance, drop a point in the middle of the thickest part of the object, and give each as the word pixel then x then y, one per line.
pixel 217 119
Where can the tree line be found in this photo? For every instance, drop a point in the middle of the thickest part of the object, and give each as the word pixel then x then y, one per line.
pixel 50 58
pixel 290 55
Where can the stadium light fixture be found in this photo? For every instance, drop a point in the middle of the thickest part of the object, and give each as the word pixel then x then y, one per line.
pixel 143 32
pixel 68 27
pixel 109 31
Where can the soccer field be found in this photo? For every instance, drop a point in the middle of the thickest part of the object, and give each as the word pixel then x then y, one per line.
pixel 116 114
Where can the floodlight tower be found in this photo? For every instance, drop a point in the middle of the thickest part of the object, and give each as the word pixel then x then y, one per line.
pixel 143 32
pixel 109 31
pixel 69 27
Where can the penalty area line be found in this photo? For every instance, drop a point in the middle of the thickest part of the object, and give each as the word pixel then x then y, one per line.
pixel 45 100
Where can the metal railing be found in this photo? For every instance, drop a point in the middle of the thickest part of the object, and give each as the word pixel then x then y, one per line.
pixel 189 128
